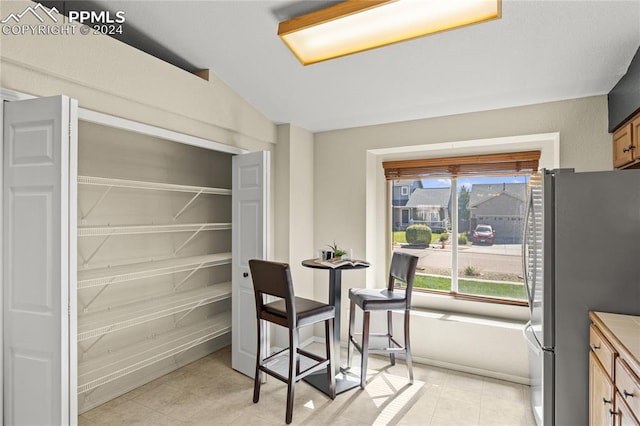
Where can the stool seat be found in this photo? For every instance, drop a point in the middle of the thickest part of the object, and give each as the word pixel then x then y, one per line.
pixel 392 298
pixel 307 311
pixel 371 300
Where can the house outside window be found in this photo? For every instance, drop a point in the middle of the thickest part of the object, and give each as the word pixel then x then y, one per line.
pixel 476 222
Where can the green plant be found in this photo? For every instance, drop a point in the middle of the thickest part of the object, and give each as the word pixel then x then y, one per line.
pixel 462 239
pixel 337 252
pixel 444 237
pixel 418 235
pixel 470 271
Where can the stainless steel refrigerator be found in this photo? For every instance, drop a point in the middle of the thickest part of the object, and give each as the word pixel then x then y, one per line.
pixel 581 252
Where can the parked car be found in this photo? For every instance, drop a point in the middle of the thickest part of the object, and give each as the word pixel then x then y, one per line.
pixel 483 234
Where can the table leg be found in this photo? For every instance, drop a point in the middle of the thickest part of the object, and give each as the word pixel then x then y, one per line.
pixel 335 297
pixel 345 380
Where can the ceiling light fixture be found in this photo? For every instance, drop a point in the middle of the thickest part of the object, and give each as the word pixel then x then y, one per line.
pixel 357 25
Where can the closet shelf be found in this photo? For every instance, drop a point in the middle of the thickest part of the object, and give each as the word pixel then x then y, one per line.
pixel 117 274
pixel 95 231
pixel 100 323
pixel 135 184
pixel 110 367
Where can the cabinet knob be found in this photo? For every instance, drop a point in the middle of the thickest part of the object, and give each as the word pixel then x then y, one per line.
pixel 627 394
pixel 245 274
pixel 629 148
pixel 612 413
pixel 595 347
pixel 606 401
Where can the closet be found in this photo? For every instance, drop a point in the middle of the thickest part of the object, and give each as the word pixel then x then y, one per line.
pixel 123 251
pixel 154 258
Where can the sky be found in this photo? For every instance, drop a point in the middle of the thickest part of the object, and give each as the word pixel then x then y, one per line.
pixel 468 182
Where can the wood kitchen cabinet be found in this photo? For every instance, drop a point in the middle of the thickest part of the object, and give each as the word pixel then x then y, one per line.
pixel 614 370
pixel 601 393
pixel 626 145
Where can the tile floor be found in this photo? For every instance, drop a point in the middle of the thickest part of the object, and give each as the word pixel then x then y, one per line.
pixel 209 392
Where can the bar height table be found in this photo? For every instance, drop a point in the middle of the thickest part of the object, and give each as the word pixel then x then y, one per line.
pixel 345 380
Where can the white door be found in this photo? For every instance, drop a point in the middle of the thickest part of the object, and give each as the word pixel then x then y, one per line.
pixel 250 223
pixel 39 261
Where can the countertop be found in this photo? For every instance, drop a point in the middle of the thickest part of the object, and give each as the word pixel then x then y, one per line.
pixel 624 332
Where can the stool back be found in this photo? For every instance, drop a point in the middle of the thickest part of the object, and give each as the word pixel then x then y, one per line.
pixel 403 269
pixel 273 279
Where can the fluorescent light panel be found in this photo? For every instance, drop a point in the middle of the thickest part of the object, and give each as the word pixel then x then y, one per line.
pixel 358 25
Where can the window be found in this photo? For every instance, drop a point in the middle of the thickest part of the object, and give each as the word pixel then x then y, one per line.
pixel 404 190
pixel 475 217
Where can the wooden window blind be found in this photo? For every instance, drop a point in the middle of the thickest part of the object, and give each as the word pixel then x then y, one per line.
pixel 471 165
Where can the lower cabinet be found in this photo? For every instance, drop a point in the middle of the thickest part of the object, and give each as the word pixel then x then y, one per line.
pixel 601 394
pixel 623 414
pixel 614 370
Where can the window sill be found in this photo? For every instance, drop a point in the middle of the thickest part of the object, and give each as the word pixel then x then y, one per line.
pixel 449 304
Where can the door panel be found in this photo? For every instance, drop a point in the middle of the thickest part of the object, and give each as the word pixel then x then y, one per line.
pixel 250 221
pixel 38 246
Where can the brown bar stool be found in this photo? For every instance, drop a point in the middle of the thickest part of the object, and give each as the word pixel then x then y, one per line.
pixel 274 279
pixel 403 270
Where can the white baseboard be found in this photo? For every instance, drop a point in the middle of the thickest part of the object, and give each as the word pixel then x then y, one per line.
pixel 448 365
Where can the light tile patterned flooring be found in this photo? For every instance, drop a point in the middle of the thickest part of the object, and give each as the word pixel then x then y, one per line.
pixel 209 392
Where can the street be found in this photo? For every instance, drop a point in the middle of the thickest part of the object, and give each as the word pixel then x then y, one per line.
pixel 501 262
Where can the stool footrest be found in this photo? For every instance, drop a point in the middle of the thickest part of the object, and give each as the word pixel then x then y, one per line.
pixel 277 365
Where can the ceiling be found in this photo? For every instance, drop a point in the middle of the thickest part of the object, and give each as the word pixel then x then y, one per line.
pixel 539 51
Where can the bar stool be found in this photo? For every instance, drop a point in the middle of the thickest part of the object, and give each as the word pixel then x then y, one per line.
pixel 403 270
pixel 274 279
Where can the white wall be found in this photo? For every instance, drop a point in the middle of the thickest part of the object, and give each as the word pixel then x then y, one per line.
pixel 344 208
pixel 294 210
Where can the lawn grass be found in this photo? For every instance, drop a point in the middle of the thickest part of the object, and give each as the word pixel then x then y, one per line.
pixel 470 286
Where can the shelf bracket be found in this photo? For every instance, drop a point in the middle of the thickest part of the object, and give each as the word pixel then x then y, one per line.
pixel 86 351
pixel 104 194
pixel 184 280
pixel 188 240
pixel 187 205
pixel 87 305
pixel 200 303
pixel 87 260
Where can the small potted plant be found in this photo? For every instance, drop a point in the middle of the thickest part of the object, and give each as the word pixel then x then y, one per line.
pixel 336 252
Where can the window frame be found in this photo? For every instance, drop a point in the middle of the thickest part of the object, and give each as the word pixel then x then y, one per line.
pixel 453 292
pixel 378 244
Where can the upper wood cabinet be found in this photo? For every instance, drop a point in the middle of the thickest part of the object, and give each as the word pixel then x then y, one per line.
pixel 626 145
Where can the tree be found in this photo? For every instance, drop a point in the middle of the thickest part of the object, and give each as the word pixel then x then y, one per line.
pixel 463 207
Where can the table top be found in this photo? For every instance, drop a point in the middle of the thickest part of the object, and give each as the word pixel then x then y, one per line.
pixel 317 264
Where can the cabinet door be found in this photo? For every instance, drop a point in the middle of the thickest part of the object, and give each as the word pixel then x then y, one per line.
pixel 600 394
pixel 250 183
pixel 635 139
pixel 622 153
pixel 624 417
pixel 38 261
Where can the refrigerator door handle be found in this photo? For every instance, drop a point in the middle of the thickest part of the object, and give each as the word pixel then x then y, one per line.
pixel 525 247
